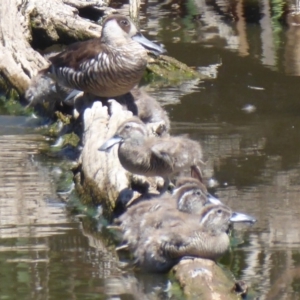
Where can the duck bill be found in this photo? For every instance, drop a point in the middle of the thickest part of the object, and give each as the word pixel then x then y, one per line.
pixel 239 217
pixel 152 47
pixel 213 200
pixel 110 143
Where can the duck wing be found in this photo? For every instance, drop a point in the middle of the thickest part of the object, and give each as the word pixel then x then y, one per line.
pixel 74 55
pixel 164 152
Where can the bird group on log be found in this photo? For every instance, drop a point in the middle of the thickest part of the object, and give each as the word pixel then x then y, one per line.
pixel 162 230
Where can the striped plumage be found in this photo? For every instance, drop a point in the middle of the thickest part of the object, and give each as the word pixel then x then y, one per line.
pixel 153 156
pixel 108 66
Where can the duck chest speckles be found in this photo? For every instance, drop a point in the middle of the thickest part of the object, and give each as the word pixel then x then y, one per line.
pixel 110 73
pixel 109 66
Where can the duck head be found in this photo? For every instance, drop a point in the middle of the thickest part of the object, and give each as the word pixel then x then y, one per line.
pixel 193 195
pixel 217 218
pixel 132 129
pixel 118 29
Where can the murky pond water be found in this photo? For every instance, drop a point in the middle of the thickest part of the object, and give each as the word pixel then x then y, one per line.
pixel 247 117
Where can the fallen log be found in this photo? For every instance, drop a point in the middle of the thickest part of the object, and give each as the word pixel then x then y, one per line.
pixel 39 23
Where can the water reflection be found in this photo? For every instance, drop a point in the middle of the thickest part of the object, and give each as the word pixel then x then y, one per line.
pixel 266 31
pixel 43 253
pixel 247 119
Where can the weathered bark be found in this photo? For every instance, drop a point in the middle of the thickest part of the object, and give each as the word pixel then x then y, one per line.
pixel 18 61
pixel 54 20
pixel 59 21
pixel 101 170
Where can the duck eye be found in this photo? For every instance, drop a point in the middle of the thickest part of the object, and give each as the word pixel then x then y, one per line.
pixel 198 193
pixel 219 211
pixel 127 126
pixel 124 22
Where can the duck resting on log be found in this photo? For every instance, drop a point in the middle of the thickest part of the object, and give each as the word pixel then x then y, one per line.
pixel 108 66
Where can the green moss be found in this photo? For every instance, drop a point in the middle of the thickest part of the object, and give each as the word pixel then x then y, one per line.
pixel 66 119
pixel 170 70
pixel 10 92
pixel 175 290
pixel 71 139
pixel 65 180
pixel 54 129
pixel 12 106
pixel 91 195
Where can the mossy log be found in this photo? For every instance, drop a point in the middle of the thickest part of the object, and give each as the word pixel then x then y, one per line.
pixel 101 178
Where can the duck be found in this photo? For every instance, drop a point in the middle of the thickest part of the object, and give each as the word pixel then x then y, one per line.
pixel 43 89
pixel 190 197
pixel 186 236
pixel 147 108
pixel 152 156
pixel 108 66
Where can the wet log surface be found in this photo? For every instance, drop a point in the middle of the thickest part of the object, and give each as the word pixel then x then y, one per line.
pixel 203 278
pixel 102 173
pixel 101 178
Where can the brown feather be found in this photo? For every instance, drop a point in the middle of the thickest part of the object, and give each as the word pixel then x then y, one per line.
pixel 77 53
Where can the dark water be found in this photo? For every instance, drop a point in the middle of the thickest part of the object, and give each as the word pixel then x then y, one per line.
pixel 247 117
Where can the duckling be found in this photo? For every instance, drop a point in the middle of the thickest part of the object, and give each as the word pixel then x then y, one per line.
pixel 182 181
pixel 190 198
pixel 204 235
pixel 145 107
pixel 152 156
pixel 108 66
pixel 48 96
pixel 42 94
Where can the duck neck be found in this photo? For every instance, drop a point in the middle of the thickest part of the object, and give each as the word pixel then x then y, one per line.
pixel 216 231
pixel 120 42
